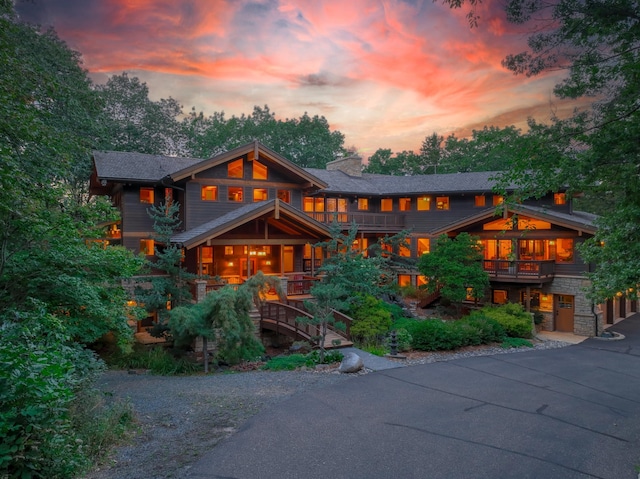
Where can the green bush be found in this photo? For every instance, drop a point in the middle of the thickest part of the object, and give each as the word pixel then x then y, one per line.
pixel 41 374
pixel 403 338
pixel 157 359
pixel 436 335
pixel 295 361
pixel 515 343
pixel 511 316
pixel 371 319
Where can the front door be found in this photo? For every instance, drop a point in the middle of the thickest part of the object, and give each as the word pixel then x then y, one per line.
pixel 564 313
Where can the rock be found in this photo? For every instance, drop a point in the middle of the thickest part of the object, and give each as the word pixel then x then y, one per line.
pixel 351 363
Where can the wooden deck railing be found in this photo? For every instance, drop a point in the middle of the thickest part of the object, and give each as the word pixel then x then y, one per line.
pixel 287 315
pixel 364 220
pixel 300 286
pixel 519 269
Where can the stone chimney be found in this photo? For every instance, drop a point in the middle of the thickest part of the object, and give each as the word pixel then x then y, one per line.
pixel 350 165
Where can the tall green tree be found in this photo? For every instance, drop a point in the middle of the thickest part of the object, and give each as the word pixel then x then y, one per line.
pixel 307 141
pixel 454 268
pixel 131 121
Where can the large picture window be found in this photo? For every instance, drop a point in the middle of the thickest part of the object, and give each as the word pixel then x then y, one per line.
pixel 235 169
pixel 259 171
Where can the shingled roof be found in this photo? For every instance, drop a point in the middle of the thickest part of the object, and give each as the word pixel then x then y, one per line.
pixel 340 182
pixel 138 167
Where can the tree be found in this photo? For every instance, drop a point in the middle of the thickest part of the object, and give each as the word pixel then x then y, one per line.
pixel 156 290
pixel 595 152
pixel 306 141
pixel 455 269
pixel 133 122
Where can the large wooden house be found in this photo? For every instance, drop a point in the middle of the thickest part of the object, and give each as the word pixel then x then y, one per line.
pixel 250 209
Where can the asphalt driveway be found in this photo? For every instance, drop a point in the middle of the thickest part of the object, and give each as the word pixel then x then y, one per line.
pixel 563 413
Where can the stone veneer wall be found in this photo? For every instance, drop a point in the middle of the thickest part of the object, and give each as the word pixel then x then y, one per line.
pixel 351 165
pixel 583 316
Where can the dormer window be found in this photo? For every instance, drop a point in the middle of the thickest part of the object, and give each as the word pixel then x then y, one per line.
pixel 235 169
pixel 559 198
pixel 260 171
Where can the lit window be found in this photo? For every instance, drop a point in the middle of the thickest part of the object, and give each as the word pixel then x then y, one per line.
pixel 259 171
pixel 235 169
pixel 497 200
pixel 209 193
pixel 500 296
pixel 564 250
pixel 146 195
pixel 442 202
pixel 404 204
pixel 480 201
pixel 559 198
pixel 423 246
pixel 307 203
pixel 284 195
pixel 363 204
pixel 207 254
pixel 424 203
pixel 470 295
pixel 386 204
pixel 404 251
pixel 146 247
pixel 235 194
pixel 260 194
pixel 421 280
pixel 404 280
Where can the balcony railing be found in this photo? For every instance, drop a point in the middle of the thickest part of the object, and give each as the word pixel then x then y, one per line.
pixel 382 221
pixel 521 271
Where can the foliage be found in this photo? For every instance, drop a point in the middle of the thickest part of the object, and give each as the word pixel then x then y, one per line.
pixel 375 348
pixel 371 319
pixel 434 335
pixel 512 317
pixel 223 316
pixel 403 337
pixel 133 122
pixel 454 266
pixel 40 374
pixel 327 297
pixel 154 291
pixel 510 342
pixel 296 361
pixel 306 141
pixel 157 359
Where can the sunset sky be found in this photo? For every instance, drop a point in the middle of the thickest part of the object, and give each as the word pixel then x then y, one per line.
pixel 386 73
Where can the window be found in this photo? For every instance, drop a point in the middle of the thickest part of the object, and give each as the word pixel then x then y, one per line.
pixel 146 195
pixel 404 251
pixel 386 204
pixel 404 204
pixel 423 246
pixel 206 254
pixel 480 201
pixel 497 200
pixel 563 250
pixel 363 204
pixel 259 171
pixel 228 250
pixel 260 194
pixel 284 195
pixel 314 206
pixel 337 205
pixel 168 196
pixel 209 193
pixel 442 202
pixel 559 198
pixel 235 169
pixel 235 194
pixel 424 203
pixel 404 280
pixel 146 247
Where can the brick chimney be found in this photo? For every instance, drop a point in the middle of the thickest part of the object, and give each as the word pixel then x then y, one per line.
pixel 350 165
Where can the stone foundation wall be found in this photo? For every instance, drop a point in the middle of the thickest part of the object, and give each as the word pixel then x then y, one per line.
pixel 584 324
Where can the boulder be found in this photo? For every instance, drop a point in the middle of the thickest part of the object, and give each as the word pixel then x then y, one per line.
pixel 351 363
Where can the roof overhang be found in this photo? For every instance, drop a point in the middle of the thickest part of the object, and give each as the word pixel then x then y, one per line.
pixel 275 212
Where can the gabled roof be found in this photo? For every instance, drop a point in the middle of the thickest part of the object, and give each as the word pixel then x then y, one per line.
pixel 255 150
pixel 340 182
pixel 273 208
pixel 578 220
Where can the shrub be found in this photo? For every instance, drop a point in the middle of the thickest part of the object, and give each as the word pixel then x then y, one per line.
pixel 157 359
pixel 403 338
pixel 508 343
pixel 435 335
pixel 371 319
pixel 295 361
pixel 515 321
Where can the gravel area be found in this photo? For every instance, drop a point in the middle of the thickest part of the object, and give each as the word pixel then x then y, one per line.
pixel 180 418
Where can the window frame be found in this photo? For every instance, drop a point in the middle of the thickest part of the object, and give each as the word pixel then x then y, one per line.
pixel 147 195
pixel 443 203
pixel 235 189
pixel 233 165
pixel 205 188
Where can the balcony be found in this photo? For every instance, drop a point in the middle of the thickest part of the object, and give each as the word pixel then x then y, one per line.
pixel 520 271
pixel 366 221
